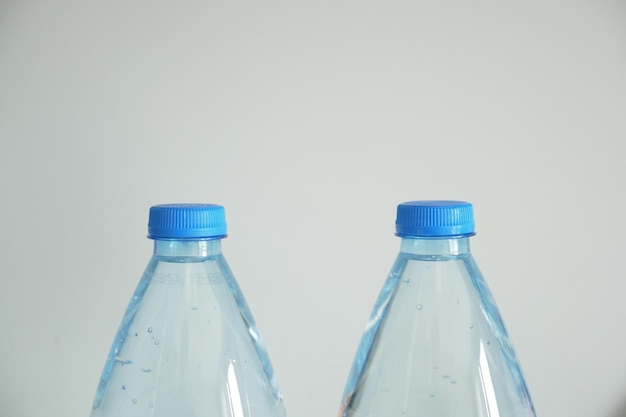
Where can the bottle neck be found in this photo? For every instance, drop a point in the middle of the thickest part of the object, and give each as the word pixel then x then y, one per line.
pixel 443 246
pixel 187 248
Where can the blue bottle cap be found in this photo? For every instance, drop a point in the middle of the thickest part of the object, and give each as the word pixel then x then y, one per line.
pixel 187 221
pixel 435 219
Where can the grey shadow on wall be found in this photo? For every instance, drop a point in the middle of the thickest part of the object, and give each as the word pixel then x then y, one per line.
pixel 620 409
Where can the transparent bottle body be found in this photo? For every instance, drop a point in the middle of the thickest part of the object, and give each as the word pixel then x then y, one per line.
pixel 435 344
pixel 187 345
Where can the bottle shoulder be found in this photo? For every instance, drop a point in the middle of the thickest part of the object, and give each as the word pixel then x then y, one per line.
pixel 407 256
pixel 185 259
pixel 442 247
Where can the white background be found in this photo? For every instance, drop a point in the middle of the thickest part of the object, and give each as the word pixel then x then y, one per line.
pixel 309 121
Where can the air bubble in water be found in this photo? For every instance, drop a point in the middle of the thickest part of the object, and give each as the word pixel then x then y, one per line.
pixel 122 361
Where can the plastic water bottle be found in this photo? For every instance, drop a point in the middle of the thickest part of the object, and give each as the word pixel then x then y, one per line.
pixel 187 345
pixel 435 344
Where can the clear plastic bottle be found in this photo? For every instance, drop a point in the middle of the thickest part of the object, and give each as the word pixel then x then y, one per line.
pixel 435 344
pixel 187 345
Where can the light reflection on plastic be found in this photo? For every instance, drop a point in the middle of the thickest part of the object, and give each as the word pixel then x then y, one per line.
pixel 489 392
pixel 236 409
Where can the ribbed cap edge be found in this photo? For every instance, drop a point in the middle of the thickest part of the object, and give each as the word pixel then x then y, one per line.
pixel 186 221
pixel 435 218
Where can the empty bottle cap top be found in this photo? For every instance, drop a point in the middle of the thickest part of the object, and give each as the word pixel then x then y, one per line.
pixel 187 221
pixel 435 219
